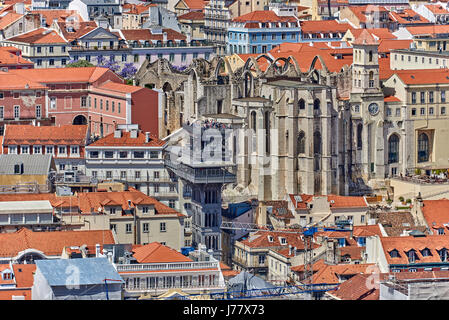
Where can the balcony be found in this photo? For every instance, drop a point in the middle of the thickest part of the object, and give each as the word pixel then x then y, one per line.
pixel 206 174
pixel 149 267
pixel 101 48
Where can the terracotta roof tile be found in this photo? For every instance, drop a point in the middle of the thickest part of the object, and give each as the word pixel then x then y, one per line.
pixel 45 135
pixel 126 140
pixel 356 289
pixel 41 35
pixel 264 16
pixel 192 15
pixel 24 275
pixel 365 38
pixel 8 19
pixel 156 252
pixel 51 243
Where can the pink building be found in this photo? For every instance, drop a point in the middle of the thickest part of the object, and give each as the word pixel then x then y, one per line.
pixel 94 96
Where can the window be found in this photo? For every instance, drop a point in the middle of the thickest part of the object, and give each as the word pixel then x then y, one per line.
pixel 112 210
pixel 123 154
pixel 38 112
pixel 62 150
pixel 423 99
pixel 413 111
pixel 261 259
pixel 12 149
pixel 74 150
pixel 93 154
pixel 37 149
pixel 398 112
pixel 109 154
pixel 49 149
pixel 154 154
pixel 393 149
pixel 423 147
pixel 422 111
pixel 139 154
pixel 162 227
pixel 394 253
pixel 51 62
pixel 146 227
pixel 413 97
pixel 137 174
pixel 83 101
pixel 156 188
pixel 145 210
pixel 108 174
pixel 38 49
pixel 443 110
pixel 113 227
pixel 443 96
pixel 388 111
pixel 61 166
pixel 16 112
pixel 430 96
pixel 431 111
pixel 123 175
pixel 39 62
pixel 128 228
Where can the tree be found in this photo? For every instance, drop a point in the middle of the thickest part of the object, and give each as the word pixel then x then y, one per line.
pixel 79 64
pixel 128 71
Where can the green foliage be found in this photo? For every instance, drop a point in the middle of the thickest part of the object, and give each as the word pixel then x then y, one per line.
pixel 80 64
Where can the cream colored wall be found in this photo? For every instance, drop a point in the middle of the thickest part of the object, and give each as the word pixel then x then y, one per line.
pixel 410 190
pixel 400 61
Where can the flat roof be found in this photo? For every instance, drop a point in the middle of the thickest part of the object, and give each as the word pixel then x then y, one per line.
pixel 36 206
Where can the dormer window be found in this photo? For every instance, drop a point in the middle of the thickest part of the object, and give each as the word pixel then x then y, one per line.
pixel 411 256
pixel 282 240
pixel 426 252
pixel 341 242
pixel 443 254
pixel 270 238
pixel 394 253
pixel 440 231
pixel 6 275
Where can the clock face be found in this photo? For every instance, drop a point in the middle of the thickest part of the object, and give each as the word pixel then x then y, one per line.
pixel 373 109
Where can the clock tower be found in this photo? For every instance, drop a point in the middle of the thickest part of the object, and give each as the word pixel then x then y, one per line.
pixel 367 106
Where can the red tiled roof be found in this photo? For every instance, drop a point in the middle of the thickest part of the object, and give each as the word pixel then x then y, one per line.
pixel 326 26
pixel 9 293
pixel 330 273
pixel 408 16
pixel 195 4
pixel 62 75
pixel 145 34
pixel 391 99
pixel 406 243
pixel 436 212
pixel 79 29
pixel 386 45
pixel 45 135
pixel 357 288
pixel 12 81
pixel 12 56
pixel 338 201
pixel 423 76
pixel 126 140
pixel 380 33
pixel 264 16
pixel 437 9
pixel 192 15
pixel 260 239
pixel 8 19
pixel 51 243
pixel 24 275
pixel 156 252
pixel 428 30
pixel 130 8
pixel 61 15
pixel 41 35
pixel 365 38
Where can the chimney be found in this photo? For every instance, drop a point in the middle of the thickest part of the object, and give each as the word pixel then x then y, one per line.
pixel 117 133
pixel 97 250
pixel 133 133
pixel 147 137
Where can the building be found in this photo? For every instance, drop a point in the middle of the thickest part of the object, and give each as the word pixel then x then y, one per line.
pixel 416 252
pixel 192 24
pixel 25 173
pixel 66 144
pixel 89 279
pixel 203 176
pixel 158 268
pixel 135 157
pixel 36 215
pixel 44 47
pixel 261 31
pixel 16 281
pixel 26 246
pixel 70 98
pixel 11 58
pixel 327 210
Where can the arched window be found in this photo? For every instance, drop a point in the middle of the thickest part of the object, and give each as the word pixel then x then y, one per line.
pixel 423 147
pixel 371 79
pixel 301 142
pixel 253 120
pixel 370 56
pixel 359 136
pixel 316 104
pixel 393 149
pixel 301 104
pixel 317 143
